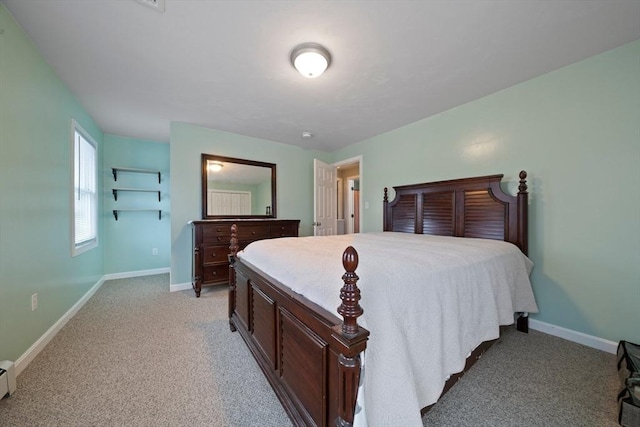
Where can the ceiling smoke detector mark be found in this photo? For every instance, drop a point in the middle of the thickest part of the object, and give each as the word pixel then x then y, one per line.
pixel 155 4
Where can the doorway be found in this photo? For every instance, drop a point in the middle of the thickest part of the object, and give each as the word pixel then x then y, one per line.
pixel 348 203
pixel 353 205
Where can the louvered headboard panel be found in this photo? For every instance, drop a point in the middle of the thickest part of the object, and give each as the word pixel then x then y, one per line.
pixel 484 216
pixel 438 213
pixel 467 207
pixel 404 216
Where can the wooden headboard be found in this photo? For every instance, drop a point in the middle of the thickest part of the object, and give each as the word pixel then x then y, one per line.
pixel 468 207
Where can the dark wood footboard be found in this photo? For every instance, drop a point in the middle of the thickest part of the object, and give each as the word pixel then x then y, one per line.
pixel 310 356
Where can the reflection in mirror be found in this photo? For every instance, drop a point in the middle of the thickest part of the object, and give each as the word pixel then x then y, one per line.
pixel 237 188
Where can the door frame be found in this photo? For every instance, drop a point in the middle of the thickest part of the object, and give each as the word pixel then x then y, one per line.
pixel 349 161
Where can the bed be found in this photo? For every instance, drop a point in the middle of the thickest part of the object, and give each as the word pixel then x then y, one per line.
pixel 314 359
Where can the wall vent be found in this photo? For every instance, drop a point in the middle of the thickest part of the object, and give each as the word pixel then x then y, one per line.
pixel 155 4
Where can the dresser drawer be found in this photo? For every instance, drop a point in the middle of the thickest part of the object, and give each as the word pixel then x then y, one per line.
pixel 253 232
pixel 284 230
pixel 215 254
pixel 216 233
pixel 215 273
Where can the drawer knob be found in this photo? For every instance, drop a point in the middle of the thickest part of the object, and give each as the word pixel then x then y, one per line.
pixel 253 233
pixel 215 273
pixel 213 254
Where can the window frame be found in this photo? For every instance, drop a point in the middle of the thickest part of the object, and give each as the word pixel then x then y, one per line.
pixel 92 242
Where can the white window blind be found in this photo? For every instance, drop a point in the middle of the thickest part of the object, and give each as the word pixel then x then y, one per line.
pixel 85 200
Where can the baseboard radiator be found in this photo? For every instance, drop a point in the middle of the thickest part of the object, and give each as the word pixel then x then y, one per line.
pixel 7 379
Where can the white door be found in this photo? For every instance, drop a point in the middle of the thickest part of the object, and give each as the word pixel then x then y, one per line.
pixel 324 199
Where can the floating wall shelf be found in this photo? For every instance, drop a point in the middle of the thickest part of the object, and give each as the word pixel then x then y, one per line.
pixel 115 212
pixel 115 191
pixel 115 170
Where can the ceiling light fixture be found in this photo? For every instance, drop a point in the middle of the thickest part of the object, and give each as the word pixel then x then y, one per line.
pixel 306 135
pixel 215 166
pixel 310 59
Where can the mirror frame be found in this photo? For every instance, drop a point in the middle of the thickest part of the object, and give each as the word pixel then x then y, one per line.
pixel 204 184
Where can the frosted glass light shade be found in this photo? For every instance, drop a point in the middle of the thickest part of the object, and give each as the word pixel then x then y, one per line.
pixel 215 166
pixel 310 59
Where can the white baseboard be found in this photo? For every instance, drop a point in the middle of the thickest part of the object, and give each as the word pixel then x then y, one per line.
pixel 180 287
pixel 39 345
pixel 570 335
pixel 138 273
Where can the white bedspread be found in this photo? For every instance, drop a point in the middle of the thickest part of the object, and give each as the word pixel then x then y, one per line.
pixel 428 302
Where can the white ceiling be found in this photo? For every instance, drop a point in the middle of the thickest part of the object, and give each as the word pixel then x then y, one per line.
pixel 225 64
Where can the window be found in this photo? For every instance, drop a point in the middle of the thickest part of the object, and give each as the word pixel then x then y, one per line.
pixel 84 224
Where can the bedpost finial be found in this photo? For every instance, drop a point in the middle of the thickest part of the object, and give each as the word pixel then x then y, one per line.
pixel 350 260
pixel 522 188
pixel 386 195
pixel 233 247
pixel 350 310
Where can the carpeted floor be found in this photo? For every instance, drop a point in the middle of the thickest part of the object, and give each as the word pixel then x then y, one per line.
pixel 137 355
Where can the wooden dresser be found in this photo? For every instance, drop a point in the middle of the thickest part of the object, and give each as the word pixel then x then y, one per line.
pixel 211 240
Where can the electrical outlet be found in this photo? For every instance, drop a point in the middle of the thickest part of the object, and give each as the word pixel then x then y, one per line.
pixel 34 302
pixel 154 251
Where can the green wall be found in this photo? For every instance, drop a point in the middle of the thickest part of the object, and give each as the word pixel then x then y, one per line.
pixel 263 197
pixel 188 142
pixel 576 131
pixel 35 187
pixel 129 240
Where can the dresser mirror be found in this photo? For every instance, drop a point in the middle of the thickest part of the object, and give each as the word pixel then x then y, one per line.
pixel 237 188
